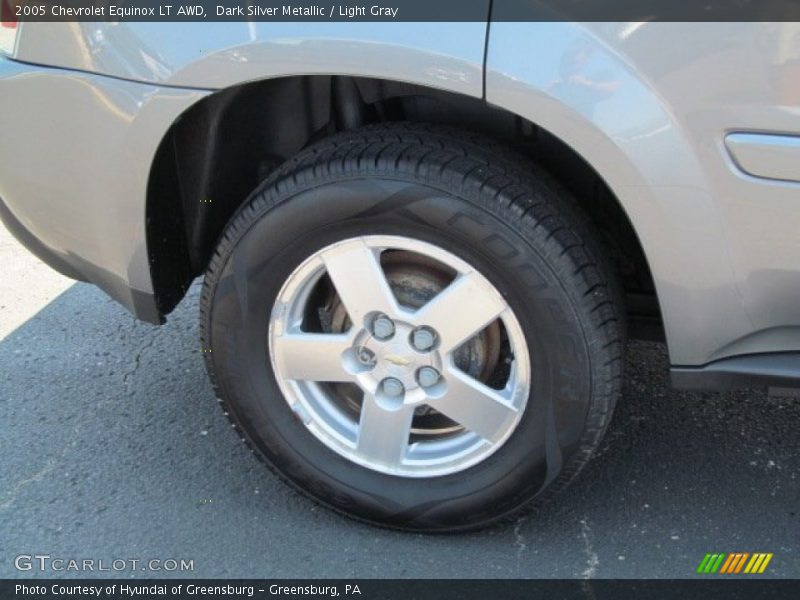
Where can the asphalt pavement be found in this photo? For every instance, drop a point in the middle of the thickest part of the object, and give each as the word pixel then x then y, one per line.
pixel 113 447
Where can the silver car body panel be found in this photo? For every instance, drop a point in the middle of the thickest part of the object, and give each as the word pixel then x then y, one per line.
pixel 75 168
pixel 111 92
pixel 649 105
pixel 218 55
pixel 722 244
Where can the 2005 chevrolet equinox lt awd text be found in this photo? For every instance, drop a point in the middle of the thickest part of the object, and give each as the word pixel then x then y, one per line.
pixel 424 244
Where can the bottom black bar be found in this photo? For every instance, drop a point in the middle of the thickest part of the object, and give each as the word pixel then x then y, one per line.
pixel 403 589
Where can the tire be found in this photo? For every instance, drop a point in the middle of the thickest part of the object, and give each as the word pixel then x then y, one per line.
pixel 447 205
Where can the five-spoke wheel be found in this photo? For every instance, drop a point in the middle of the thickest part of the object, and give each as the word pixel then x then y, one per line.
pixel 404 359
pixel 411 326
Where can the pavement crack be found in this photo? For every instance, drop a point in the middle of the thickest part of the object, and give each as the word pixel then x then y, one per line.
pixel 519 539
pixel 49 467
pixel 12 494
pixel 137 360
pixel 592 560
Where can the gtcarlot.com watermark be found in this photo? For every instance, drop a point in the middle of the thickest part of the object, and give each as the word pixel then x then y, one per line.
pixel 45 563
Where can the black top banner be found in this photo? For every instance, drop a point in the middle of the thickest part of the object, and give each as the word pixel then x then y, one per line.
pixel 398 10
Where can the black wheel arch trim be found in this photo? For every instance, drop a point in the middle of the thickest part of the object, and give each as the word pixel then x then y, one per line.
pixel 772 369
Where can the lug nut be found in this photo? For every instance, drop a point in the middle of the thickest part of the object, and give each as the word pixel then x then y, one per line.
pixel 427 376
pixel 423 339
pixel 393 387
pixel 366 357
pixel 382 328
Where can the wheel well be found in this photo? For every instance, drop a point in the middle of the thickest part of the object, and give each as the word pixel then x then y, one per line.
pixel 216 153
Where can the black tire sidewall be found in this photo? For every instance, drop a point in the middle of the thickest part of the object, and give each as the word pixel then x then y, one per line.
pixel 271 238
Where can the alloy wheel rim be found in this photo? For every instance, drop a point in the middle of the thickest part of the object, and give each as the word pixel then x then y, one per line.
pixel 402 360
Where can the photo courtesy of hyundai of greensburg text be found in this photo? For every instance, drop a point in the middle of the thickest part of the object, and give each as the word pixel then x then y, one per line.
pixel 399 299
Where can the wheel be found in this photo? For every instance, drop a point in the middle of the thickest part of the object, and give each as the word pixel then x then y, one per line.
pixel 413 326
